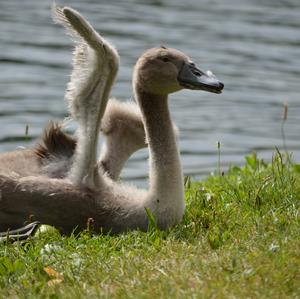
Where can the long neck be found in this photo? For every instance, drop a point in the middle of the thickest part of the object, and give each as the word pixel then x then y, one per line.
pixel 114 156
pixel 166 180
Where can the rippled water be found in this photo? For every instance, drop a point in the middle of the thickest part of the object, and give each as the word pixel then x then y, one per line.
pixel 253 46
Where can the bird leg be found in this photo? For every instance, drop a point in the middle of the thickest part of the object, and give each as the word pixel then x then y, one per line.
pixel 19 234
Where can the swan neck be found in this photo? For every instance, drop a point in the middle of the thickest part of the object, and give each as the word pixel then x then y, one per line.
pixel 166 180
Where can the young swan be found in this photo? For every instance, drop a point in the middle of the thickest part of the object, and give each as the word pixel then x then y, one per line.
pixel 85 193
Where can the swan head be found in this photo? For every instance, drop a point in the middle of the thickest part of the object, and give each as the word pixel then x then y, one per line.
pixel 166 70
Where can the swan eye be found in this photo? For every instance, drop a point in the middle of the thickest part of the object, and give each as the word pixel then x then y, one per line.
pixel 196 73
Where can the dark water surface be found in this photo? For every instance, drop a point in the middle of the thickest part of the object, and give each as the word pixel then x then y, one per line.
pixel 252 46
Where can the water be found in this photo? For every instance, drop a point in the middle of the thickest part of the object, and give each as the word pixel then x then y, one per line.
pixel 252 46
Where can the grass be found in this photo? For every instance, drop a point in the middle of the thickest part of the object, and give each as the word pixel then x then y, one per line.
pixel 239 239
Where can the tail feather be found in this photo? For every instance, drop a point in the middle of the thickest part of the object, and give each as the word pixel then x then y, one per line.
pixel 55 144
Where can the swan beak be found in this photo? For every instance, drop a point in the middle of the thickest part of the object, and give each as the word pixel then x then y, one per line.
pixel 191 77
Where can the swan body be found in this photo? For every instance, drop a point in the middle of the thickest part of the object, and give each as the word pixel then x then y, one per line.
pixel 86 191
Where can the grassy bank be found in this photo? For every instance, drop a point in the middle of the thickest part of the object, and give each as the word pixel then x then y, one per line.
pixel 240 238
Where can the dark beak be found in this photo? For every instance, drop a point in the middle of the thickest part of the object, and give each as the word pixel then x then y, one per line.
pixel 191 77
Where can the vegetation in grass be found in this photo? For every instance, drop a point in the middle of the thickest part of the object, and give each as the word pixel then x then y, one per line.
pixel 239 239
